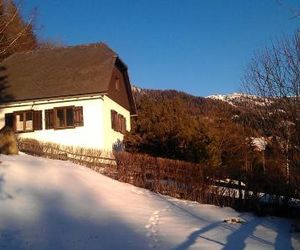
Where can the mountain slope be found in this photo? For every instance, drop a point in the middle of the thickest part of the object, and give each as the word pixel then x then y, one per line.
pixel 50 204
pixel 173 124
pixel 237 99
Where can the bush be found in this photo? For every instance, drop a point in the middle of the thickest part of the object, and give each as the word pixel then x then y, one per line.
pixel 8 142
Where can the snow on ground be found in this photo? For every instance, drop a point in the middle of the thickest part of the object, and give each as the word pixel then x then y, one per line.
pixel 51 204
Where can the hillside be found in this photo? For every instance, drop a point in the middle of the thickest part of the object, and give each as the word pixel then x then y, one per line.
pixel 238 99
pixel 177 125
pixel 51 204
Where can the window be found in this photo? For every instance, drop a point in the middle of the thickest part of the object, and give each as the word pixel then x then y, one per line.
pixel 57 118
pixel 64 117
pixel 26 121
pixel 23 121
pixel 118 122
pixel 20 124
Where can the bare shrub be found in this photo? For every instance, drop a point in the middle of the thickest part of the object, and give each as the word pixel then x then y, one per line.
pixel 92 158
pixel 178 179
pixel 8 142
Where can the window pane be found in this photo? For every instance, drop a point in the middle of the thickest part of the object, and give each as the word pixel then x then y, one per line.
pixel 49 118
pixel 60 119
pixel 28 121
pixel 28 116
pixel 19 122
pixel 70 117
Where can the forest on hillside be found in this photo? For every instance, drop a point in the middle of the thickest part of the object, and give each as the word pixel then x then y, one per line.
pixel 229 139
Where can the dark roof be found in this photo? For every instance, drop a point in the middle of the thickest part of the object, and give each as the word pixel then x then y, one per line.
pixel 59 72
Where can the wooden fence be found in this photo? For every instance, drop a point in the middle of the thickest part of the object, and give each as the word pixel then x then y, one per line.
pixel 178 179
pixel 183 180
pixel 99 161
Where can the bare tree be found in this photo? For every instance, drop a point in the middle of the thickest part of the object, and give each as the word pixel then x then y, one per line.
pixel 294 10
pixel 15 34
pixel 274 75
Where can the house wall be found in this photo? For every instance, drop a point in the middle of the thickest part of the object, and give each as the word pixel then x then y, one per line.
pixel 89 135
pixel 96 132
pixel 113 138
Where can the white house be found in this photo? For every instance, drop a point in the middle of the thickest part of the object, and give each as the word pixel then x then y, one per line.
pixel 79 95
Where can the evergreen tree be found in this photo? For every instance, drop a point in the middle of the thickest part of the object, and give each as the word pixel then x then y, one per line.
pixel 166 127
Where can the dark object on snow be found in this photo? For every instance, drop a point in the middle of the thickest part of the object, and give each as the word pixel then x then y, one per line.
pixel 234 220
pixel 8 142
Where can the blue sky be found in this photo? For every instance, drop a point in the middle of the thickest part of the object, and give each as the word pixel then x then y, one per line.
pixel 200 47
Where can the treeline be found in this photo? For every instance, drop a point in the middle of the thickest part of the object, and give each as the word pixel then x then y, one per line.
pixel 168 125
pixel 176 125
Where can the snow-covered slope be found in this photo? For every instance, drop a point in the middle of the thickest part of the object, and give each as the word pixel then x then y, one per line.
pixel 49 204
pixel 136 89
pixel 238 98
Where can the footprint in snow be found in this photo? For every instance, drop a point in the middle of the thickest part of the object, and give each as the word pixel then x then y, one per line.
pixel 152 227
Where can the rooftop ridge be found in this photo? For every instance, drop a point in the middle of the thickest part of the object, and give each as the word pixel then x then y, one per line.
pixel 78 46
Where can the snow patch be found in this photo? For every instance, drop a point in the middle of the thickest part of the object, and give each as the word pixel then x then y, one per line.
pixel 237 98
pixel 259 143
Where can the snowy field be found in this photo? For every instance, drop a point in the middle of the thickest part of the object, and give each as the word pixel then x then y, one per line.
pixel 50 204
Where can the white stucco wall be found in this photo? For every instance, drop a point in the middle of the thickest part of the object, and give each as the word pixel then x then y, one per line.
pixel 112 137
pixel 89 135
pixel 96 132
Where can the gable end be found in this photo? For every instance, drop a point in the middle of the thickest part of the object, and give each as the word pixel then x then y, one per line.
pixel 120 89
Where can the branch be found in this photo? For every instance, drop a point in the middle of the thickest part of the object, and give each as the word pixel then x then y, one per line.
pixel 10 21
pixel 16 38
